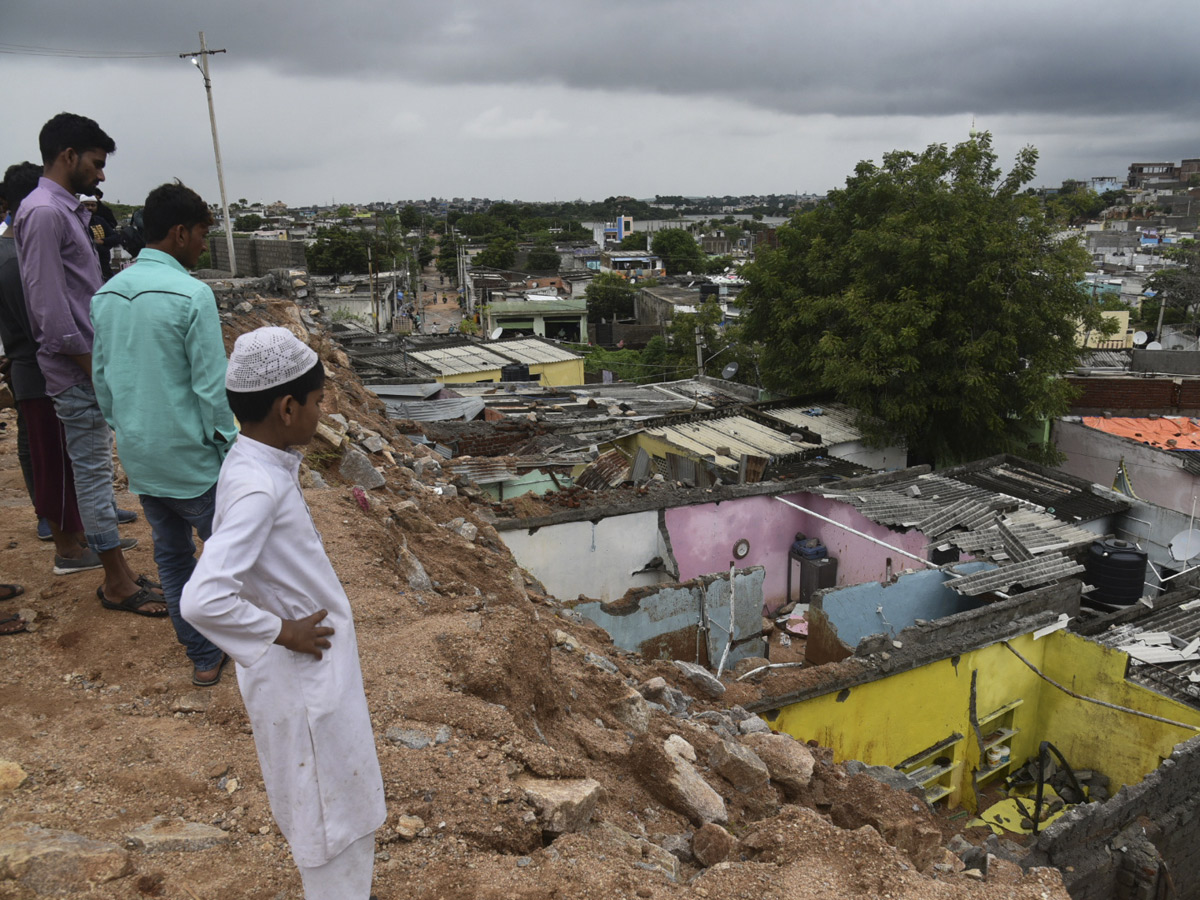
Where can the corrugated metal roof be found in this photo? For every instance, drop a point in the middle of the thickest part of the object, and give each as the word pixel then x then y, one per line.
pixel 726 439
pixel 406 391
pixel 483 470
pixel 1172 679
pixel 460 360
pixel 1030 574
pixel 465 408
pixel 533 306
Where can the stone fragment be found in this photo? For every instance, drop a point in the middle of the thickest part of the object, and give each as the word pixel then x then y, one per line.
pixel 712 844
pixel 632 711
pixel 243 307
pixel 408 827
pixel 700 678
pixel 192 702
pixel 463 528
pixel 51 862
pixel 443 735
pixel 892 777
pixel 564 640
pixel 651 857
pixel 563 805
pixel 788 760
pixel 374 443
pixel 12 776
pixel 654 688
pixel 407 737
pixel 754 725
pixel 678 845
pixel 357 468
pixel 739 765
pixel 418 578
pixel 163 835
pixel 601 662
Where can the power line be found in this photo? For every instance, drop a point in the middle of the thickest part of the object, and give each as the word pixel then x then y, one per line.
pixel 66 53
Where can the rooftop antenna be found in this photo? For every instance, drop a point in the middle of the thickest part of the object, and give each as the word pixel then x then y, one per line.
pixel 1154 345
pixel 496 332
pixel 729 371
pixel 1185 545
pixel 1140 338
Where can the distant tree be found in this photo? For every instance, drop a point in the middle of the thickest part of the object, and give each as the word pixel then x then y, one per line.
pixel 344 212
pixel 635 241
pixel 609 297
pixel 337 251
pixel 447 259
pixel 931 295
pixel 1178 286
pixel 248 222
pixel 542 258
pixel 410 217
pixel 678 250
pixel 498 254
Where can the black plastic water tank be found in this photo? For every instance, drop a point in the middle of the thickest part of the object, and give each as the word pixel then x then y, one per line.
pixel 1117 569
pixel 514 372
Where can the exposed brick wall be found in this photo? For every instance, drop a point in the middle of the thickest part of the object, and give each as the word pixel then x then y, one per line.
pixel 481 438
pixel 1136 396
pixel 1131 844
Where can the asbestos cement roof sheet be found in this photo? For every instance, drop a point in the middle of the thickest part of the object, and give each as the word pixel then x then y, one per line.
pixel 406 391
pixel 465 408
pixel 832 421
pixel 535 306
pixel 460 360
pixel 532 352
pixel 726 439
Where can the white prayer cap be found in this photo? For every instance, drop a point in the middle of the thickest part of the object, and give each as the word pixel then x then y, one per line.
pixel 265 358
pixel 87 198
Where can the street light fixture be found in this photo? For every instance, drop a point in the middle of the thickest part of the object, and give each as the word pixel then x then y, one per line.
pixel 200 61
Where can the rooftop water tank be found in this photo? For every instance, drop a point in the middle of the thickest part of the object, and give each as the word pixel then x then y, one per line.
pixel 1117 569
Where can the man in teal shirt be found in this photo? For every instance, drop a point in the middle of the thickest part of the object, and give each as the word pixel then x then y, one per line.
pixel 158 365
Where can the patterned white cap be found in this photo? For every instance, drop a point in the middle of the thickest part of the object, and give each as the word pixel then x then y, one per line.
pixel 267 357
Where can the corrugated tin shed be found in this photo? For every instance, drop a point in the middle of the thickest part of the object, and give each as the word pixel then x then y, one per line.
pixel 532 352
pixel 460 360
pixel 834 422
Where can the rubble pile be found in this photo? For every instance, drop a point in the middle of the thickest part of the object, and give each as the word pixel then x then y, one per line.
pixel 523 755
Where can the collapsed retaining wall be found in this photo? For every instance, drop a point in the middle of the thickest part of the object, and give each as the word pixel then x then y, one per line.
pixel 1140 844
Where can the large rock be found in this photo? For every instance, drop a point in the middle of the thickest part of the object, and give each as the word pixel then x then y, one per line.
pixel 712 844
pixel 700 678
pixel 163 835
pixel 739 765
pixel 49 862
pixel 789 761
pixel 411 738
pixel 563 805
pixel 418 578
pixel 357 469
pixel 666 770
pixel 632 711
pixel 12 776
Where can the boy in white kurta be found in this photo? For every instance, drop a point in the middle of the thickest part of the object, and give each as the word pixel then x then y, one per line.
pixel 265 593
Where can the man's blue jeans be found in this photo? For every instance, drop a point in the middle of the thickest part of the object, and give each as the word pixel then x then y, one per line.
pixel 171 523
pixel 89 444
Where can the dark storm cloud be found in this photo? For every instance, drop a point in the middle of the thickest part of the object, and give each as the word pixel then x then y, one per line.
pixel 846 58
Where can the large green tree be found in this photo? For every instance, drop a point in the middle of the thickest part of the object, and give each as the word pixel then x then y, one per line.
pixel 609 296
pixel 932 295
pixel 542 258
pixel 337 251
pixel 248 222
pixel 498 254
pixel 678 250
pixel 1178 286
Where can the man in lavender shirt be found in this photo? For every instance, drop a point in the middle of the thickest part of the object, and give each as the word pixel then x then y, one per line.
pixel 60 272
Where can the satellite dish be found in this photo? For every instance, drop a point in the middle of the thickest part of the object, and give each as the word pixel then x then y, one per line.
pixel 729 371
pixel 496 332
pixel 1140 338
pixel 1185 545
pixel 1154 345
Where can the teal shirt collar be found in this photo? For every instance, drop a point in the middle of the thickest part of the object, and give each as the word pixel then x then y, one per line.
pixel 148 255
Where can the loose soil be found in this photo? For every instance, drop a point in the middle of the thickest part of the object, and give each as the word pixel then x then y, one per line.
pixel 97 709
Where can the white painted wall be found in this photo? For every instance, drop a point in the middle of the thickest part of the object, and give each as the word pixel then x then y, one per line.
pixel 593 559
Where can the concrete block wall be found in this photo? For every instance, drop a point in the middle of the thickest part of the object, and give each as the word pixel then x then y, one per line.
pixel 257 257
pixel 1130 845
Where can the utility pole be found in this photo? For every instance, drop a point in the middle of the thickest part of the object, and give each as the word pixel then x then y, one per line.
pixel 699 353
pixel 200 61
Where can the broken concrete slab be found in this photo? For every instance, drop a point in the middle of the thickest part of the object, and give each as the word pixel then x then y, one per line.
pixel 789 761
pixel 739 765
pixel 51 862
pixel 665 768
pixel 163 835
pixel 563 804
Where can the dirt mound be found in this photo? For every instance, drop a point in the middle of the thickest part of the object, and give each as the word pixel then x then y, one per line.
pixel 475 680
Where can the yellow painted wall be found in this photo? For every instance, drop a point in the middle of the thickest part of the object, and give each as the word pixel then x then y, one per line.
pixel 470 377
pixel 558 374
pixel 894 718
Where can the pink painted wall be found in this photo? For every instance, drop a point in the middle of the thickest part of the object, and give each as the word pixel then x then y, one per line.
pixel 702 538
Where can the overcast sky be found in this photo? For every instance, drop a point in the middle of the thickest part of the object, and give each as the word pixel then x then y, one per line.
pixel 365 100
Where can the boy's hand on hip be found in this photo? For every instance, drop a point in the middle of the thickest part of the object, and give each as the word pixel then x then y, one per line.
pixel 305 635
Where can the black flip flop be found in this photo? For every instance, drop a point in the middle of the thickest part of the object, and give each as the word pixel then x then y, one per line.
pixel 9 591
pixel 143 582
pixel 134 603
pixel 215 681
pixel 4 623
